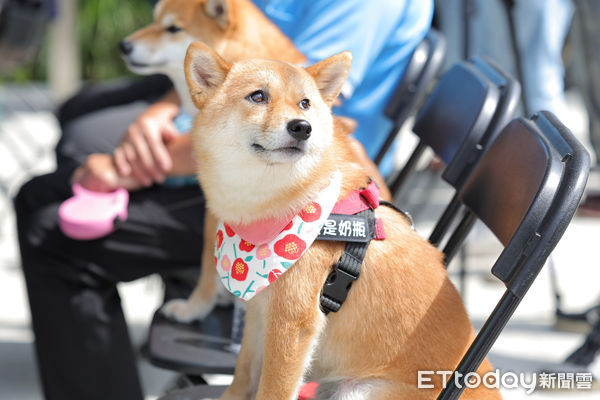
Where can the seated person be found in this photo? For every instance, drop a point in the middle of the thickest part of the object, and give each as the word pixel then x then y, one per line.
pixel 82 343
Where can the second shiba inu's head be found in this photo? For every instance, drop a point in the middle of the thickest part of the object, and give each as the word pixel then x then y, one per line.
pixel 264 129
pixel 160 47
pixel 236 29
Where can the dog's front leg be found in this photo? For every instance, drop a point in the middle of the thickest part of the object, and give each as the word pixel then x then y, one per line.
pixel 202 300
pixel 293 325
pixel 249 362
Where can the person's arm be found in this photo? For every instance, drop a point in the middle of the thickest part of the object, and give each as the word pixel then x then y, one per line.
pixel 142 154
pixel 327 27
pixel 100 173
pixel 180 151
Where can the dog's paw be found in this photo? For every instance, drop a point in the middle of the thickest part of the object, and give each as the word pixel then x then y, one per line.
pixel 182 310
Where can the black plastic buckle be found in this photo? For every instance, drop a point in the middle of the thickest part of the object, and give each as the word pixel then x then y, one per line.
pixel 336 289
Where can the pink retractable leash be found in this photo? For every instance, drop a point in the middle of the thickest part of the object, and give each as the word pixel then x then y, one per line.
pixel 91 215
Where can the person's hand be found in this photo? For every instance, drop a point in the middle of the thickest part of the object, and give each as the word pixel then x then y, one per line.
pixel 142 153
pixel 99 174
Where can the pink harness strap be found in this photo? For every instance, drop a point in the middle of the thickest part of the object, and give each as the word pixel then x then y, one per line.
pixel 358 200
pixel 261 231
pixel 361 200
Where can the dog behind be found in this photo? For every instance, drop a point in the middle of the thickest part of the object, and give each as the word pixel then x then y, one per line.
pixel 235 29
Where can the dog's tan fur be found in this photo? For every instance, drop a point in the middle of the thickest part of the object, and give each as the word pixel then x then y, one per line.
pixel 401 315
pixel 237 30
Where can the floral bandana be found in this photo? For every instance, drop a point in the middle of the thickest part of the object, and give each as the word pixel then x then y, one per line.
pixel 246 268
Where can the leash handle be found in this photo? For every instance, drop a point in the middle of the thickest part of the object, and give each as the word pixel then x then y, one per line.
pixel 91 215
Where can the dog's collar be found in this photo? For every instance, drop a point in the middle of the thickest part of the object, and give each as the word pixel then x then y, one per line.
pixel 347 223
pixel 246 267
pixel 264 231
pixel 260 232
pixel 358 200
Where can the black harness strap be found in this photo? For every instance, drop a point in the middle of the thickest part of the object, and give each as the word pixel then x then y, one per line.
pixel 406 214
pixel 346 270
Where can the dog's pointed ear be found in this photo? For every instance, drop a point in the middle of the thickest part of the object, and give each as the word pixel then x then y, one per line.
pixel 331 74
pixel 204 71
pixel 219 11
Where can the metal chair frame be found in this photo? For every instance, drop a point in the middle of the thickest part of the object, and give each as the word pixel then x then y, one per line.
pixel 424 65
pixel 525 189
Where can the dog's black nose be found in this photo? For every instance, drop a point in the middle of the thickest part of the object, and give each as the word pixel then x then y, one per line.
pixel 126 47
pixel 299 129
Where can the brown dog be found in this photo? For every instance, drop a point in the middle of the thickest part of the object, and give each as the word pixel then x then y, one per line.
pixel 401 315
pixel 237 30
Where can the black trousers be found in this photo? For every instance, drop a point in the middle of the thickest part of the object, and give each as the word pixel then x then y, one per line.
pixel 81 338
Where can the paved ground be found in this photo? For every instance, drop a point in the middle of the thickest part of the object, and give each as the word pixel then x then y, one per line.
pixel 28 132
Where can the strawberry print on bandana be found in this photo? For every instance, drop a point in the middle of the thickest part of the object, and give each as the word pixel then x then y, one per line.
pixel 246 268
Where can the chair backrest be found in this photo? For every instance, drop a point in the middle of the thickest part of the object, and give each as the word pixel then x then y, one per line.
pixel 476 142
pixel 525 189
pixel 459 110
pixel 462 163
pixel 424 65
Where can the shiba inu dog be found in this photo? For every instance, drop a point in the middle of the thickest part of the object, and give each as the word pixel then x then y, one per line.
pixel 236 30
pixel 267 147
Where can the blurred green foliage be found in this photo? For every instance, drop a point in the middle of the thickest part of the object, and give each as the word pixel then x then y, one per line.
pixel 101 25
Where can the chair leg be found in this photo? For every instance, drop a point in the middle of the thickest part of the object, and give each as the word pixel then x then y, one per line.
pixel 554 285
pixel 237 325
pixel 458 237
pixel 445 221
pixel 482 344
pixel 589 350
pixel 463 271
pixel 399 181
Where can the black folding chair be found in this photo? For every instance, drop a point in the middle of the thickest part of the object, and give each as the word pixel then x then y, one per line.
pixel 195 392
pixel 459 110
pixel 203 347
pixel 525 189
pixel 473 145
pixel 461 117
pixel 423 67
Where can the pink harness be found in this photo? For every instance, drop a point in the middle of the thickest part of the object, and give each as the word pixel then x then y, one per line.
pixel 251 257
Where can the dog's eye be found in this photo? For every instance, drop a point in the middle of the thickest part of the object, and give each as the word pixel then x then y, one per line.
pixel 304 104
pixel 258 96
pixel 173 29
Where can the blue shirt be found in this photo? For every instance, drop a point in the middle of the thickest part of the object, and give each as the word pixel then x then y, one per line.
pixel 381 35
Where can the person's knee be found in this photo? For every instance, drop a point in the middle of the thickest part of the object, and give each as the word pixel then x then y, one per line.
pixel 96 132
pixel 36 207
pixel 25 199
pixel 42 190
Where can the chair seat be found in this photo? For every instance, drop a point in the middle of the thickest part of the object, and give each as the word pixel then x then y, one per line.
pixel 307 392
pixel 194 349
pixel 195 393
